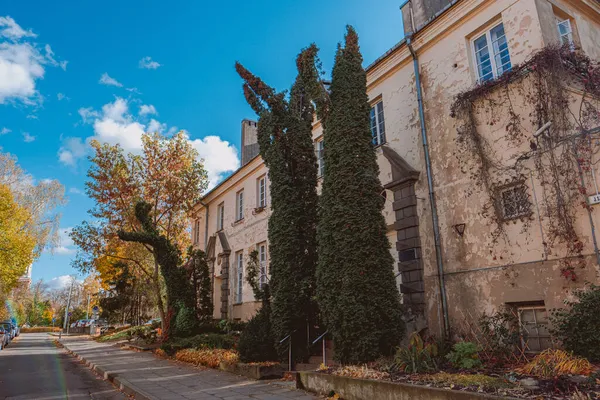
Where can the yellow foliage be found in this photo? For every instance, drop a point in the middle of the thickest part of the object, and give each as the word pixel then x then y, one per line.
pixel 360 372
pixel 553 362
pixel 39 329
pixel 211 358
pixel 16 243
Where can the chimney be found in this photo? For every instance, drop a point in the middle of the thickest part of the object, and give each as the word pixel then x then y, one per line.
pixel 418 13
pixel 250 147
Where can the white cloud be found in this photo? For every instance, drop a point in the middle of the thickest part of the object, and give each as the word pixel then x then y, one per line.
pixel 31 116
pixel 60 282
pixel 148 63
pixel 27 138
pixel 115 124
pixel 88 114
pixel 65 245
pixel 22 63
pixel 155 126
pixel 220 157
pixel 147 109
pixel 72 149
pixel 62 96
pixel 133 90
pixel 4 131
pixel 74 190
pixel 105 79
pixel 12 30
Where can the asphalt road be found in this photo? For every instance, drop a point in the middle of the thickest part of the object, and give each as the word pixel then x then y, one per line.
pixel 32 367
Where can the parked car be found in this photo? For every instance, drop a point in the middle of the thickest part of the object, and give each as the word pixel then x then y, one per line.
pixel 3 338
pixel 7 331
pixel 153 321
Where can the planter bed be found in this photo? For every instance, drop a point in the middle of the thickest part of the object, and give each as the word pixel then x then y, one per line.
pixel 367 389
pixel 254 370
pixel 444 386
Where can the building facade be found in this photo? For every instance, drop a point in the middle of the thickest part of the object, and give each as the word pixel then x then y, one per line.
pixel 453 261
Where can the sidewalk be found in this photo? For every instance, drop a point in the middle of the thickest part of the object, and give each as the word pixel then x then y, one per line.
pixel 150 378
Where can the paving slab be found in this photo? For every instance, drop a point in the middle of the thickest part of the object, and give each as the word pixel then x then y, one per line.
pixel 148 377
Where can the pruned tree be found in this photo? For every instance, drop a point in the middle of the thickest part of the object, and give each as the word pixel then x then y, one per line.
pixel 168 176
pixel 356 287
pixel 285 140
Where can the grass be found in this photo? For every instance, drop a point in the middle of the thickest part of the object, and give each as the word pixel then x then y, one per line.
pixel 114 336
pixel 478 380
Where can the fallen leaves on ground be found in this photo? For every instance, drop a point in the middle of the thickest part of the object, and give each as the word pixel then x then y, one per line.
pixel 207 357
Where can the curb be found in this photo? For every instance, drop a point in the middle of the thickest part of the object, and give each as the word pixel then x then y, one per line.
pixel 121 383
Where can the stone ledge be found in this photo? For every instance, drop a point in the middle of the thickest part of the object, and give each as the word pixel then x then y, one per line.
pixel 253 371
pixel 366 389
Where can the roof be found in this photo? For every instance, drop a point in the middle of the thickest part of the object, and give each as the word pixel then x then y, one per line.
pixel 233 174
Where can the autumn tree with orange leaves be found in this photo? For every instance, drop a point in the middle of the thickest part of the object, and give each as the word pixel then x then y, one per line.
pixel 168 175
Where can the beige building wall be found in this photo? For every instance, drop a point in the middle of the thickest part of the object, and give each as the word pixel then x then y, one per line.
pixel 481 274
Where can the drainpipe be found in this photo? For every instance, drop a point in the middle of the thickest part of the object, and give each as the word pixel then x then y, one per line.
pixel 205 225
pixel 434 213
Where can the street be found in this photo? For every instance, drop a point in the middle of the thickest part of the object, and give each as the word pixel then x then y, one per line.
pixel 32 367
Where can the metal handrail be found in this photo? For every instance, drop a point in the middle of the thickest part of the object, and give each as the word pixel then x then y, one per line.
pixel 289 348
pixel 324 346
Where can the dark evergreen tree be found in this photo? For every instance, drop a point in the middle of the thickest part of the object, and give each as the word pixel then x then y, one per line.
pixel 356 287
pixel 285 140
pixel 200 277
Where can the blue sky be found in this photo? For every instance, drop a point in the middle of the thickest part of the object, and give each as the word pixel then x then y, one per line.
pixel 72 70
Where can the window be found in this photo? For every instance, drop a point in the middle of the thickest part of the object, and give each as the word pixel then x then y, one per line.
pixel 565 31
pixel 239 275
pixel 262 262
pixel 533 323
pixel 377 124
pixel 514 201
pixel 491 54
pixel 220 216
pixel 320 160
pixel 262 192
pixel 239 205
pixel 197 231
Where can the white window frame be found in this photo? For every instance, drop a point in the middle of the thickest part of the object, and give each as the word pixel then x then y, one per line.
pixel 492 55
pixel 220 216
pixel 262 263
pixel 261 190
pixel 240 276
pixel 535 325
pixel 377 137
pixel 568 35
pixel 197 231
pixel 239 205
pixel 320 149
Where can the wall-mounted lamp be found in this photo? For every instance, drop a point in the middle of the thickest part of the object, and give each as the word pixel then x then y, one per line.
pixel 460 229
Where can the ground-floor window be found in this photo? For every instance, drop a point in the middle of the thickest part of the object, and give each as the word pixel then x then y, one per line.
pixel 533 323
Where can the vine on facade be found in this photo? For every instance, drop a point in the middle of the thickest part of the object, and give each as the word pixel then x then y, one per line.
pixel 556 140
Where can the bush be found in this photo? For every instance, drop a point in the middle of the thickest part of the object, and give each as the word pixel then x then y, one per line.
pixel 40 329
pixel 144 332
pixel 464 355
pixel 208 357
pixel 256 341
pixel 501 332
pixel 203 341
pixel 185 322
pixel 577 326
pixel 417 357
pixel 552 363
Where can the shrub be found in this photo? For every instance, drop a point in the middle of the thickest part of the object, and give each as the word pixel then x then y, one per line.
pixel 256 341
pixel 464 355
pixel 577 326
pixel 202 341
pixel 40 329
pixel 208 357
pixel 417 357
pixel 145 333
pixel 501 332
pixel 551 363
pixel 185 322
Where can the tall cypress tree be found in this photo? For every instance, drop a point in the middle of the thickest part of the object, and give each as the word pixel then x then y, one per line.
pixel 285 141
pixel 356 289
